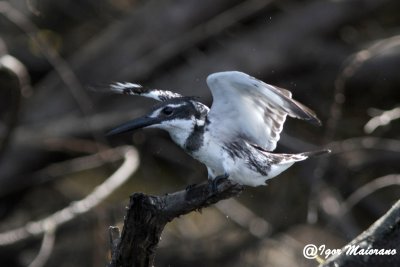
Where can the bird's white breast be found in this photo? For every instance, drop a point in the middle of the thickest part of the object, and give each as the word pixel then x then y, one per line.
pixel 211 154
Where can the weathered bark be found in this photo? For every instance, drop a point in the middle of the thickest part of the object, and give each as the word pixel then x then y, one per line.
pixel 383 234
pixel 147 215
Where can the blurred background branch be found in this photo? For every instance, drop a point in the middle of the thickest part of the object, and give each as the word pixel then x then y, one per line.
pixel 48 225
pixel 384 118
pixel 15 83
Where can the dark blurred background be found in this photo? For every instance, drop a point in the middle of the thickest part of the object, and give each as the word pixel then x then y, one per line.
pixel 341 58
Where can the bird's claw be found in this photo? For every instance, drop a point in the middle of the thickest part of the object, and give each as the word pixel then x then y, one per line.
pixel 216 181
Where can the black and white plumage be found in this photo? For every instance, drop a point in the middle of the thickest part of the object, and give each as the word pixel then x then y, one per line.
pixel 236 136
pixel 136 89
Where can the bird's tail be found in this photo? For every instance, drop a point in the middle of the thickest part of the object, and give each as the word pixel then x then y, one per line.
pixel 291 158
pixel 316 153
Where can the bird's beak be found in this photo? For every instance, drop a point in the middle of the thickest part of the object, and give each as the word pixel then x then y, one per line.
pixel 133 125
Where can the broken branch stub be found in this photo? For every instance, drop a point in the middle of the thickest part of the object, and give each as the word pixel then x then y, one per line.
pixel 147 216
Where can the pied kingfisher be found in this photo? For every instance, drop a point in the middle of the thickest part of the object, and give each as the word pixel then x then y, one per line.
pixel 234 138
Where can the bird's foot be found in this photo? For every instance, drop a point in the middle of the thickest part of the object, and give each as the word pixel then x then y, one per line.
pixel 216 181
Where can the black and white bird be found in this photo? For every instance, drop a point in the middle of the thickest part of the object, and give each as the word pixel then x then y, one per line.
pixel 236 136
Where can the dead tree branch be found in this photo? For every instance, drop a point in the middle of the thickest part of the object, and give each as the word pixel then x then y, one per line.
pixel 147 215
pixel 383 234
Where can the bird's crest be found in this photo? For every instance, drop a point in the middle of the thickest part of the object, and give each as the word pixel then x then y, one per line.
pixel 127 88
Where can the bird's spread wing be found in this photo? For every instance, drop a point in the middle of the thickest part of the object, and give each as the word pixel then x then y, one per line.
pixel 249 108
pixel 136 89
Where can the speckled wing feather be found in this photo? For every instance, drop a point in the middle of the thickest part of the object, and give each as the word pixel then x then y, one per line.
pixel 245 107
pixel 136 89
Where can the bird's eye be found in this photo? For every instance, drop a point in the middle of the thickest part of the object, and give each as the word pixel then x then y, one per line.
pixel 167 111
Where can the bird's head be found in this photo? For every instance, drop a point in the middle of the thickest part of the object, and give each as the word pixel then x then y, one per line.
pixel 178 116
